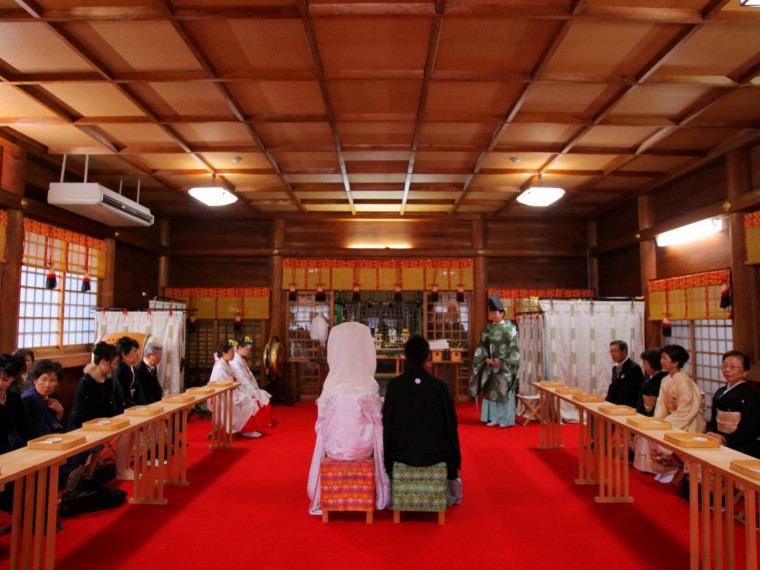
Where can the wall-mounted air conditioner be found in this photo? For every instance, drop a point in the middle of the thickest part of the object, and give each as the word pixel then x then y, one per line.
pixel 93 201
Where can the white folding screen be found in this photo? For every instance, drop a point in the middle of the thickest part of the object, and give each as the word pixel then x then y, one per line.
pixel 166 325
pixel 578 335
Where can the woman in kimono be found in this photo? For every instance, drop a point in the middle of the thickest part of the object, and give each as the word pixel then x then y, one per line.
pixel 681 402
pixel 494 367
pixel 263 415
pixel 650 389
pixel 735 418
pixel 244 405
pixel 349 422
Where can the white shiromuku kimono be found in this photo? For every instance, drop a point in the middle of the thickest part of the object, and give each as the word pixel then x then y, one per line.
pixel 349 423
pixel 244 405
pixel 246 378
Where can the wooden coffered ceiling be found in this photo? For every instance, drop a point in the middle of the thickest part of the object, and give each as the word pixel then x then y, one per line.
pixel 386 108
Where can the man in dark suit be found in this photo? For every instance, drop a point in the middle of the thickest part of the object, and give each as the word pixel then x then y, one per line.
pixel 627 376
pixel 146 373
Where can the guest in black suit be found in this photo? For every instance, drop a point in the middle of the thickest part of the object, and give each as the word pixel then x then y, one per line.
pixel 126 394
pixel 626 377
pixel 146 374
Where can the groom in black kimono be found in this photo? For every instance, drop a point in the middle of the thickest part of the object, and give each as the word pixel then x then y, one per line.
pixel 419 418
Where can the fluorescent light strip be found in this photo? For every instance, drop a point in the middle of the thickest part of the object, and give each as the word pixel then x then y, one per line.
pixel 690 232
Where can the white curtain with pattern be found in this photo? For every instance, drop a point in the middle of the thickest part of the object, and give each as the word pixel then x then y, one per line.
pixel 168 326
pixel 578 335
pixel 531 341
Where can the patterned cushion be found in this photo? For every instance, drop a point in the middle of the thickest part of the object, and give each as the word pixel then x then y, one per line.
pixel 347 485
pixel 419 488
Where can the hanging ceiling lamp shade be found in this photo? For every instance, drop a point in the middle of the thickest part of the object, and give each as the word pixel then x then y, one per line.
pixel 540 196
pixel 213 195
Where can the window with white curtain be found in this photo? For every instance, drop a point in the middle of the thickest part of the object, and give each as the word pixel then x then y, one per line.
pixel 706 340
pixel 55 317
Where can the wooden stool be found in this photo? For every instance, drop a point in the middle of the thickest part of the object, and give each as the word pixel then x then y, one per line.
pixel 531 408
pixel 419 489
pixel 347 486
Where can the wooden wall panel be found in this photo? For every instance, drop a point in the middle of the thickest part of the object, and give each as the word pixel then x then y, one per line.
pixel 704 188
pixel 218 234
pixel 620 273
pixel 219 272
pixel 755 161
pixel 620 224
pixel 336 235
pixel 537 273
pixel 136 272
pixel 536 236
pixel 713 252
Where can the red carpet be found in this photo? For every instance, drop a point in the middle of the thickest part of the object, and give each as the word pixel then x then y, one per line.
pixel 248 508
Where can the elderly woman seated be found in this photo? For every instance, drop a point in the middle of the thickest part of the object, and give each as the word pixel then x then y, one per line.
pixel 44 412
pixel 349 422
pixel 735 418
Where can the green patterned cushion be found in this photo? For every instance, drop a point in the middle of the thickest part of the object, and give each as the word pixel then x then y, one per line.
pixel 419 488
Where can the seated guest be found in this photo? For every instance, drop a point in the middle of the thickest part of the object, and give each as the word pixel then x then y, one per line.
pixel 13 424
pixel 626 377
pixel 681 402
pixel 735 418
pixel 127 393
pixel 419 418
pixel 263 416
pixel 42 416
pixel 146 374
pixel 93 396
pixel 244 405
pixel 650 389
pixel 23 381
pixel 349 423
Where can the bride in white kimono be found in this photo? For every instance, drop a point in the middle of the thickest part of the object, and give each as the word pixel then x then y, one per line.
pixel 244 404
pixel 263 416
pixel 349 423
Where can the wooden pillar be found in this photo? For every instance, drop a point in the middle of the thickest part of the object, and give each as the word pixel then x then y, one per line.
pixel 592 240
pixel 11 180
pixel 744 278
pixel 648 260
pixel 276 309
pixel 163 260
pixel 108 282
pixel 478 311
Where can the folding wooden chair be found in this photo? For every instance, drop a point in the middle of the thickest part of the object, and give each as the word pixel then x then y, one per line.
pixel 530 408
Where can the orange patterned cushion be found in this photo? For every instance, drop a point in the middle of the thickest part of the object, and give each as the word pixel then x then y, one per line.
pixel 347 485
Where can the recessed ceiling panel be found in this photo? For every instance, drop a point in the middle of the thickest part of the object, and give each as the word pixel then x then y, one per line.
pixel 351 43
pixel 94 99
pixel 50 53
pixel 273 98
pixel 493 44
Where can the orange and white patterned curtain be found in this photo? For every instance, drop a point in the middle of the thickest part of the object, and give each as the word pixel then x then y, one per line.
pixel 689 297
pixel 223 303
pixel 3 229
pixel 752 236
pixel 378 275
pixel 520 301
pixel 71 252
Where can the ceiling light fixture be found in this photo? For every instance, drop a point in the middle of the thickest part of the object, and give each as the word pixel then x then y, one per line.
pixel 540 196
pixel 750 3
pixel 213 195
pixel 690 232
